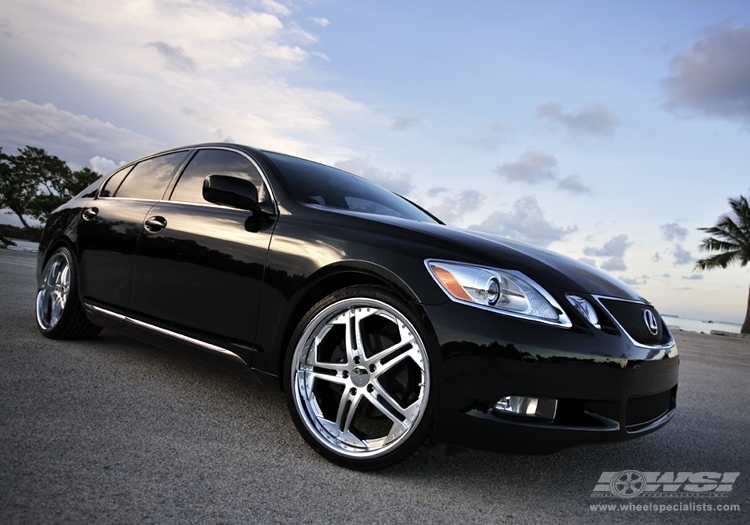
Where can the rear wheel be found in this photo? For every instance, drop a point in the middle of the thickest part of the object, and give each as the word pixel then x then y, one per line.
pixel 357 379
pixel 59 313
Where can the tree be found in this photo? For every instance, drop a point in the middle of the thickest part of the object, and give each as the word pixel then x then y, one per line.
pixel 33 183
pixel 731 238
pixel 17 191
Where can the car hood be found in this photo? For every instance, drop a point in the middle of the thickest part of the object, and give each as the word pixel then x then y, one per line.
pixel 547 268
pixel 552 269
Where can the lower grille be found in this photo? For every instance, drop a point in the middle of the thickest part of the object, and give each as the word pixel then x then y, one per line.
pixel 641 411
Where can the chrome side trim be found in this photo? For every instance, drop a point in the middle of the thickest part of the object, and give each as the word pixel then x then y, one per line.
pixel 169 333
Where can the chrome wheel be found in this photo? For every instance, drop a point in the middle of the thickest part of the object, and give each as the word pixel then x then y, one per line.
pixel 54 291
pixel 360 379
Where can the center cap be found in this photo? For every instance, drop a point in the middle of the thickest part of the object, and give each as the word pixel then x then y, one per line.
pixel 360 376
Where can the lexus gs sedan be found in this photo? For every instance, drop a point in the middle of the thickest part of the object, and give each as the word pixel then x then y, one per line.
pixel 385 328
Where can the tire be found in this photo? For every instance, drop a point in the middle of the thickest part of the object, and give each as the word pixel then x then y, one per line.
pixel 357 379
pixel 59 313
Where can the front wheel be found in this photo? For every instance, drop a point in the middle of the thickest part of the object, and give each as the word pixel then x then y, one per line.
pixel 59 313
pixel 357 379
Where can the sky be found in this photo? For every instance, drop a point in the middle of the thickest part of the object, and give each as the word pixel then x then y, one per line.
pixel 606 131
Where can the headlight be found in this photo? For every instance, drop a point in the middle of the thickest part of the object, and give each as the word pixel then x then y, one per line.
pixel 506 292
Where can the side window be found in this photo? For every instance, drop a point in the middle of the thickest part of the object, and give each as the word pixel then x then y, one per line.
pixel 367 206
pixel 148 179
pixel 215 162
pixel 110 187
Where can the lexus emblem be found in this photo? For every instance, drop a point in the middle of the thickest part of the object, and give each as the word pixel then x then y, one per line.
pixel 651 323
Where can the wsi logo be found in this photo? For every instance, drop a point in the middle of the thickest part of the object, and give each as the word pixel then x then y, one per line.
pixel 632 483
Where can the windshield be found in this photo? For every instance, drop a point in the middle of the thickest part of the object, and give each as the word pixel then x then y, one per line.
pixel 321 185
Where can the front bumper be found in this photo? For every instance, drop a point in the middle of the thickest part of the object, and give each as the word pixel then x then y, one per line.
pixel 608 389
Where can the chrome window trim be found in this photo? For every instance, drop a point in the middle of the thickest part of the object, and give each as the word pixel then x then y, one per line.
pixel 169 333
pixel 666 346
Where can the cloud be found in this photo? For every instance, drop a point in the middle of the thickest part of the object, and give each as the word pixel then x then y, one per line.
pixel 275 7
pixel 74 138
pixel 492 140
pixel 594 119
pixel 573 184
pixel 453 208
pixel 247 63
pixel 673 231
pixel 405 122
pixel 322 22
pixel 693 277
pixel 526 223
pixel 589 261
pixel 396 182
pixel 614 249
pixel 5 28
pixel 320 55
pixel 614 264
pixel 630 281
pixel 177 60
pixel 681 255
pixel 102 165
pixel 437 190
pixel 656 257
pixel 713 76
pixel 533 167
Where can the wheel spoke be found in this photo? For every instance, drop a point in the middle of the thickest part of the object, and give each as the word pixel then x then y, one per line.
pixel 313 375
pixel 377 358
pixel 352 402
pixel 387 413
pixel 389 400
pixel 353 339
pixel 334 367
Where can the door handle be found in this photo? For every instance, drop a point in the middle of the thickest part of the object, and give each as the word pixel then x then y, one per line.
pixel 156 223
pixel 89 213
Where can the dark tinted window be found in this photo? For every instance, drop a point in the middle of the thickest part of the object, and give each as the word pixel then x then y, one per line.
pixel 315 183
pixel 90 190
pixel 149 178
pixel 215 162
pixel 110 187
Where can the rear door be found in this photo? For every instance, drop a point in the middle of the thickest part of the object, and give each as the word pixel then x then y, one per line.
pixel 111 225
pixel 199 267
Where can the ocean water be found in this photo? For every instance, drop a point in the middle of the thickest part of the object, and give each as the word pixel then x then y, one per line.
pixel 696 325
pixel 24 246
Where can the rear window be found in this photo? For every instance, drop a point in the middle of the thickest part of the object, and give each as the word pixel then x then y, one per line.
pixel 149 178
pixel 110 187
pixel 321 185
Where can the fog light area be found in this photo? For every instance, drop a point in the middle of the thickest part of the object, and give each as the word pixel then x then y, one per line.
pixel 542 408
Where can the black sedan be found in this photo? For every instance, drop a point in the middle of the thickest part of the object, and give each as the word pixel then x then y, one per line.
pixel 386 328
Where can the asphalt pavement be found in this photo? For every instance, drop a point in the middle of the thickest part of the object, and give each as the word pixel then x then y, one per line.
pixel 115 431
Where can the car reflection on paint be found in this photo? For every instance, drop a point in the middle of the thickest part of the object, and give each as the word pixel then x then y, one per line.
pixel 386 329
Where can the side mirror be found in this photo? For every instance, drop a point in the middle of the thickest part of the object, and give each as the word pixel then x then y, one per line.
pixel 231 191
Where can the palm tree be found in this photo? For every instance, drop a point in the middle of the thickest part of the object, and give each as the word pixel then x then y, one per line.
pixel 731 238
